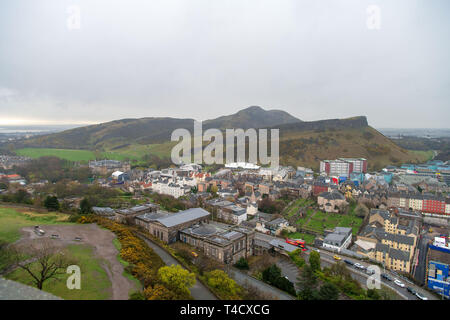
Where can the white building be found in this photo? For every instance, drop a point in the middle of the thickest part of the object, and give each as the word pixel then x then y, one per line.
pixel 339 239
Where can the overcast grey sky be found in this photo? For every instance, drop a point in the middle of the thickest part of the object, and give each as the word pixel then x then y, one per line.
pixel 205 58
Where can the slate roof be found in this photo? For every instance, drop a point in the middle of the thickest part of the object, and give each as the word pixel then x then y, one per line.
pixel 175 219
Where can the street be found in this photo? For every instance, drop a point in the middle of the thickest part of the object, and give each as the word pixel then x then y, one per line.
pixel 327 258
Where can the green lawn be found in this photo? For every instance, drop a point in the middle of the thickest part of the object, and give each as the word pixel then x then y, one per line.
pixel 75 155
pixel 322 220
pixel 12 220
pixel 309 239
pixel 95 284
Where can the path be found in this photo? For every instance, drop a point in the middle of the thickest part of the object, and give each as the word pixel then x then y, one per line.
pixel 199 291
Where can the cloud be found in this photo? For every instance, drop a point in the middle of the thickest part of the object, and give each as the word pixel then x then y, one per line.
pixel 202 59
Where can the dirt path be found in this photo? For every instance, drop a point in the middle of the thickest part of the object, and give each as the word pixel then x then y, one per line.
pixel 102 242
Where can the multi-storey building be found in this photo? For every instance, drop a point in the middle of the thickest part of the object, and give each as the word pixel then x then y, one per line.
pixel 426 203
pixel 343 166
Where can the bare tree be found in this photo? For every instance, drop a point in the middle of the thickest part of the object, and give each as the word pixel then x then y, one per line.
pixel 42 261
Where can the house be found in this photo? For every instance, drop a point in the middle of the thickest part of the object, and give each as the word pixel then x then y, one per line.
pixel 339 239
pixel 331 201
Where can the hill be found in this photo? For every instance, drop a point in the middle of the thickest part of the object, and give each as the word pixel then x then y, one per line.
pixel 302 143
pixel 252 117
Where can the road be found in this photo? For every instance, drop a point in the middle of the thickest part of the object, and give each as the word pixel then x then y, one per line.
pixel 420 270
pixel 245 280
pixel 198 291
pixel 327 259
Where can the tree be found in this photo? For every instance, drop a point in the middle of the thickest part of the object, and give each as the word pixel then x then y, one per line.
pixel 219 280
pixel 50 262
pixel 242 264
pixel 159 292
pixel 328 292
pixel 373 294
pixel 51 203
pixel 21 196
pixel 214 189
pixel 6 257
pixel 307 283
pixel 85 206
pixel 314 260
pixel 177 278
pixel 361 210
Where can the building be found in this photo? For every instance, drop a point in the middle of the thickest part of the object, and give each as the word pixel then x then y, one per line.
pixel 167 227
pixel 119 177
pixel 228 211
pixel 343 167
pixel 359 164
pixel 106 166
pixel 128 215
pixel 225 244
pixel 438 267
pixel 331 201
pixel 339 239
pixel 425 203
pixel 395 238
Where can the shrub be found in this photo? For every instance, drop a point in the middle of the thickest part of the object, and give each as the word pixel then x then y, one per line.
pixel 242 264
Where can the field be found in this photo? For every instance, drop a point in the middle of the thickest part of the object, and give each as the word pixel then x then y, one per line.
pixel 103 275
pixel 12 220
pixel 73 155
pixel 95 284
pixel 131 152
pixel 320 221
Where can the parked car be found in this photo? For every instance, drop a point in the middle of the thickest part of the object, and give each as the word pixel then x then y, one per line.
pixel 348 262
pixel 337 258
pixel 78 239
pixel 399 283
pixel 387 277
pixel 421 297
pixel 411 290
pixel 357 265
pixel 54 236
pixel 370 271
pixel 195 254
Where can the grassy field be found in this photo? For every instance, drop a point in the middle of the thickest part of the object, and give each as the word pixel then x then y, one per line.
pixel 95 283
pixel 12 220
pixel 294 206
pixel 319 221
pixel 309 239
pixel 132 152
pixel 72 155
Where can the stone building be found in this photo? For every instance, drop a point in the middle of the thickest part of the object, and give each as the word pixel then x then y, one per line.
pixel 226 244
pixel 167 227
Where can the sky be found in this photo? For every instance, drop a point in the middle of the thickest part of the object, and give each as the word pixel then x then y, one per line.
pixel 91 61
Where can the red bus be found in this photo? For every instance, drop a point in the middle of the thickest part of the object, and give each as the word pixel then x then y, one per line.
pixel 296 242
